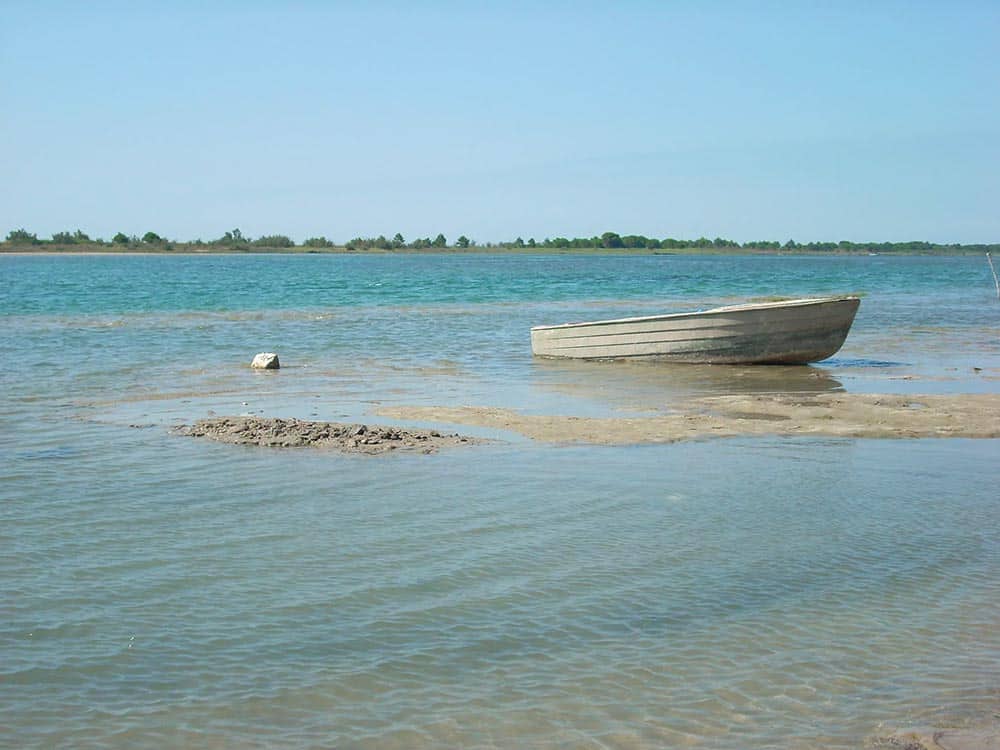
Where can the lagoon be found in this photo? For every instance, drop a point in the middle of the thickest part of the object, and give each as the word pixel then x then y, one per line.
pixel 747 592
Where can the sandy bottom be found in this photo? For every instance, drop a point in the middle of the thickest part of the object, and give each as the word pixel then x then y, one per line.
pixel 941 739
pixel 824 414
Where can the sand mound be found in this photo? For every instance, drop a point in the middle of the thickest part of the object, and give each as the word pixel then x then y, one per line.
pixel 297 433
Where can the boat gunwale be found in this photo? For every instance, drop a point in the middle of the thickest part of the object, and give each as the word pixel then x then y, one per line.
pixel 747 307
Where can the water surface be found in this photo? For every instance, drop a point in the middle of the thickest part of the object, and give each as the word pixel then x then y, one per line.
pixel 791 593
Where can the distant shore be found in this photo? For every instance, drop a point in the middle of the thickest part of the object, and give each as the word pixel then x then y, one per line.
pixel 189 249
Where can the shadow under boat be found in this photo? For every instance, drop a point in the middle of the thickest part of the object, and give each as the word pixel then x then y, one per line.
pixel 639 381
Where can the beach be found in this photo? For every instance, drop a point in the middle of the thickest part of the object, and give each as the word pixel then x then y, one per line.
pixel 616 554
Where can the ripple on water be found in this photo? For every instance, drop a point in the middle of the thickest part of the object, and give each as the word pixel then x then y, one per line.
pixel 159 592
pixel 652 600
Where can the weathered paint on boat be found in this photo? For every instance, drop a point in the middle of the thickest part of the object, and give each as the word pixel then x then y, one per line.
pixel 793 331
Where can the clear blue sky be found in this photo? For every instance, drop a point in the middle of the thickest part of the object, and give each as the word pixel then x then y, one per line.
pixel 749 120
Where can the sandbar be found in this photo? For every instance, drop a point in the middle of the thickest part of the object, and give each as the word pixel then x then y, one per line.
pixel 345 438
pixel 823 414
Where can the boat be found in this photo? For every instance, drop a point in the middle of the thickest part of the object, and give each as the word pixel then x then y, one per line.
pixel 791 331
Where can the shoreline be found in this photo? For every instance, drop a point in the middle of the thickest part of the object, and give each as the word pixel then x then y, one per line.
pixel 584 251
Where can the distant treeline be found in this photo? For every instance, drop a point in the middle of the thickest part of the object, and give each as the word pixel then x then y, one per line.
pixel 230 240
pixel 235 240
pixel 612 240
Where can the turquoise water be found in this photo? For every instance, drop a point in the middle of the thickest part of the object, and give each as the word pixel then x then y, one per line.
pixel 791 593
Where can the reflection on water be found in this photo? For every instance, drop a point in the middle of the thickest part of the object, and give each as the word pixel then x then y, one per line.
pixel 860 363
pixel 640 386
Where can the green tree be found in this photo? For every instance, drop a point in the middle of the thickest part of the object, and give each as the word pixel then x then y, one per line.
pixel 22 237
pixel 398 241
pixel 120 239
pixel 233 239
pixel 610 239
pixel 462 241
pixel 152 238
pixel 273 240
pixel 63 238
pixel 317 242
pixel 440 241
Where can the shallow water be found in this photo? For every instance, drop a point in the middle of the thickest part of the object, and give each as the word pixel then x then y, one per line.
pixel 158 591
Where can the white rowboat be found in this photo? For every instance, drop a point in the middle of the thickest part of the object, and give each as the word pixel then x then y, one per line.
pixel 793 331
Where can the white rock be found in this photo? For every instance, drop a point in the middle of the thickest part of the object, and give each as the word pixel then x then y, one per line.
pixel 266 361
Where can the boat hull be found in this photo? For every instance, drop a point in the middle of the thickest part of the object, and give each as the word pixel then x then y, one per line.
pixel 787 332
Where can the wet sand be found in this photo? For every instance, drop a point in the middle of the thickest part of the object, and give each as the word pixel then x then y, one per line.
pixel 822 414
pixel 985 738
pixel 345 438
